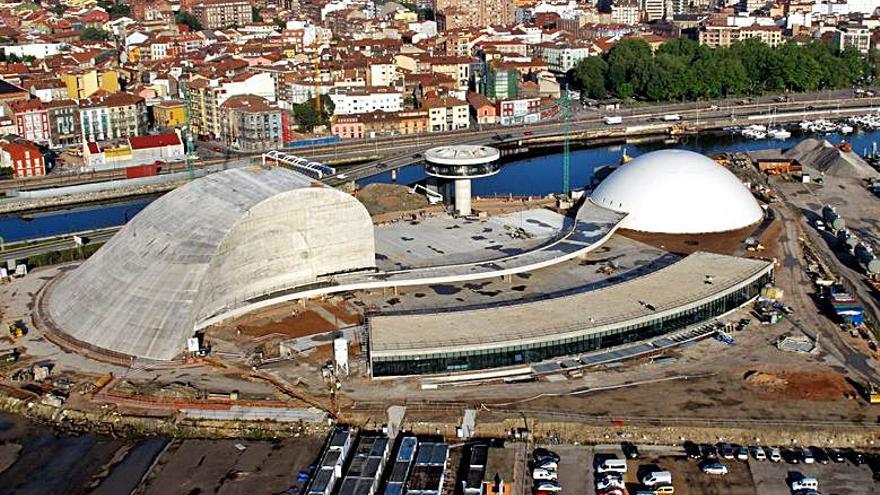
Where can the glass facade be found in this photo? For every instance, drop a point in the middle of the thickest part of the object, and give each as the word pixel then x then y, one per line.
pixel 462 170
pixel 521 354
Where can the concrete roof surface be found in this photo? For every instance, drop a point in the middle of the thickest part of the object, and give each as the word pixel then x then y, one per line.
pixel 678 284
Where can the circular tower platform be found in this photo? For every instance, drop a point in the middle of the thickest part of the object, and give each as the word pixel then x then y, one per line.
pixel 462 163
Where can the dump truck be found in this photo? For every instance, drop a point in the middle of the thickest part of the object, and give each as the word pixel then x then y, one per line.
pixel 17 329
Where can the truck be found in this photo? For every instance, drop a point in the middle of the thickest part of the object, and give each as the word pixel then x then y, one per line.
pixel 613 120
pixel 845 306
pixel 671 117
pixel 17 329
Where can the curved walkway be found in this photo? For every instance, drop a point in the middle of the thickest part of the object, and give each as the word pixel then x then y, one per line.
pixel 592 226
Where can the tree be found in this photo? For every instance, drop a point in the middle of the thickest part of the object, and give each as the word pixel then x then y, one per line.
pixel 59 9
pixel 590 74
pixel 306 116
pixel 190 20
pixel 94 34
pixel 255 14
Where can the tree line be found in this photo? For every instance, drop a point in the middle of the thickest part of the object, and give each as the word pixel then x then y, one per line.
pixel 683 70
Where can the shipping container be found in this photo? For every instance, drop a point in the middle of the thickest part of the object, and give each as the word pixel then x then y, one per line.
pixel 141 171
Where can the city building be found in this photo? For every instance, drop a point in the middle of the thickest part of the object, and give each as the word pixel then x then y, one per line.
pixel 562 56
pixel 447 114
pixel 114 116
pixel 502 81
pixel 457 165
pixel 84 83
pixel 221 14
pixel 365 125
pixel 625 12
pixel 456 14
pixel 135 151
pixel 482 109
pixel 169 114
pixel 857 37
pixel 365 100
pixel 251 124
pixel 225 238
pixel 519 111
pixel 31 120
pixel 722 36
pixel 10 93
pixel 652 10
pixel 24 159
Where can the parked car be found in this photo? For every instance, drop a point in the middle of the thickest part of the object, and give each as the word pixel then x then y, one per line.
pixel 709 452
pixel 544 474
pixel 742 453
pixel 805 484
pixel 611 466
pixel 630 451
pixel 791 457
pixel 820 455
pixel 542 454
pixel 807 456
pixel 610 481
pixel 548 486
pixel 716 468
pixel 692 450
pixel 726 451
pixel 835 455
pixel 548 464
pixel 664 490
pixel 775 454
pixel 856 458
pixel 657 478
pixel 759 454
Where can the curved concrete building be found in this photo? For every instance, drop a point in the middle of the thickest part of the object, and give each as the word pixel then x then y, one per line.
pixel 210 245
pixel 678 192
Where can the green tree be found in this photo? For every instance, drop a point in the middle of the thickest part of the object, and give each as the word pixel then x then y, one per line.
pixel 255 14
pixel 190 20
pixel 590 74
pixel 94 34
pixel 629 64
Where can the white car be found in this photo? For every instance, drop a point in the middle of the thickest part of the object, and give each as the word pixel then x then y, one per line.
pixel 775 454
pixel 759 454
pixel 548 486
pixel 715 468
pixel 547 464
pixel 610 481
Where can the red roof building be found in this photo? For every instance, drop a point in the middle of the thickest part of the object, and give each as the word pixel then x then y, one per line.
pixel 25 159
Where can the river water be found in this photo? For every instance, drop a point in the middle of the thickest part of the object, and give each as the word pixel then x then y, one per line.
pixel 531 176
pixel 543 175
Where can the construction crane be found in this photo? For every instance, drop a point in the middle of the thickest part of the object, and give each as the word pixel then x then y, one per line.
pixel 565 103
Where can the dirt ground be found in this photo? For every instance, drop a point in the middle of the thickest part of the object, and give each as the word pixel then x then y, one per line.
pixel 389 198
pixel 820 385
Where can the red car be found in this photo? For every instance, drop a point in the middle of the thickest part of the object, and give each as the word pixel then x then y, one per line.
pixel 528 133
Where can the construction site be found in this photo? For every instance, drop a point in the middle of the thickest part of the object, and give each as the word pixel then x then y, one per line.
pixel 682 298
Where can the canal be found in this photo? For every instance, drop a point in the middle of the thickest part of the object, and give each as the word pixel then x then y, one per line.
pixel 530 176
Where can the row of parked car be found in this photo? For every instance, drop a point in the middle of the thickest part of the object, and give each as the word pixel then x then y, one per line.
pixel 545 472
pixel 609 473
pixel 796 455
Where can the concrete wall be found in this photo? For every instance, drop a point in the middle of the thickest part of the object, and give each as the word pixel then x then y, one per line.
pixel 285 241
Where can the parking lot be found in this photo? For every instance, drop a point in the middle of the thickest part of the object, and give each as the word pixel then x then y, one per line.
pixel 752 477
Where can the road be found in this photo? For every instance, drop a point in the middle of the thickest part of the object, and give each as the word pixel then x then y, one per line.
pixel 398 151
pixel 58 244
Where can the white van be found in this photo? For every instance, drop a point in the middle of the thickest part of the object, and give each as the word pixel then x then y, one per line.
pixel 612 466
pixel 805 484
pixel 657 478
pixel 544 474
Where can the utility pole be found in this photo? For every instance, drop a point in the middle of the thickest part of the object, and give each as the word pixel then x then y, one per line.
pixel 188 147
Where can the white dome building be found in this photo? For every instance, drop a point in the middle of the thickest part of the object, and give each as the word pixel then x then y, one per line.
pixel 678 192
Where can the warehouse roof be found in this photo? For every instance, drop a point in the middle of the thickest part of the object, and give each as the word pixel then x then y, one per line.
pixel 694 278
